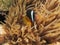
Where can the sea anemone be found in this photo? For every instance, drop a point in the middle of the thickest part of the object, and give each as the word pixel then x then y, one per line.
pixel 45 29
